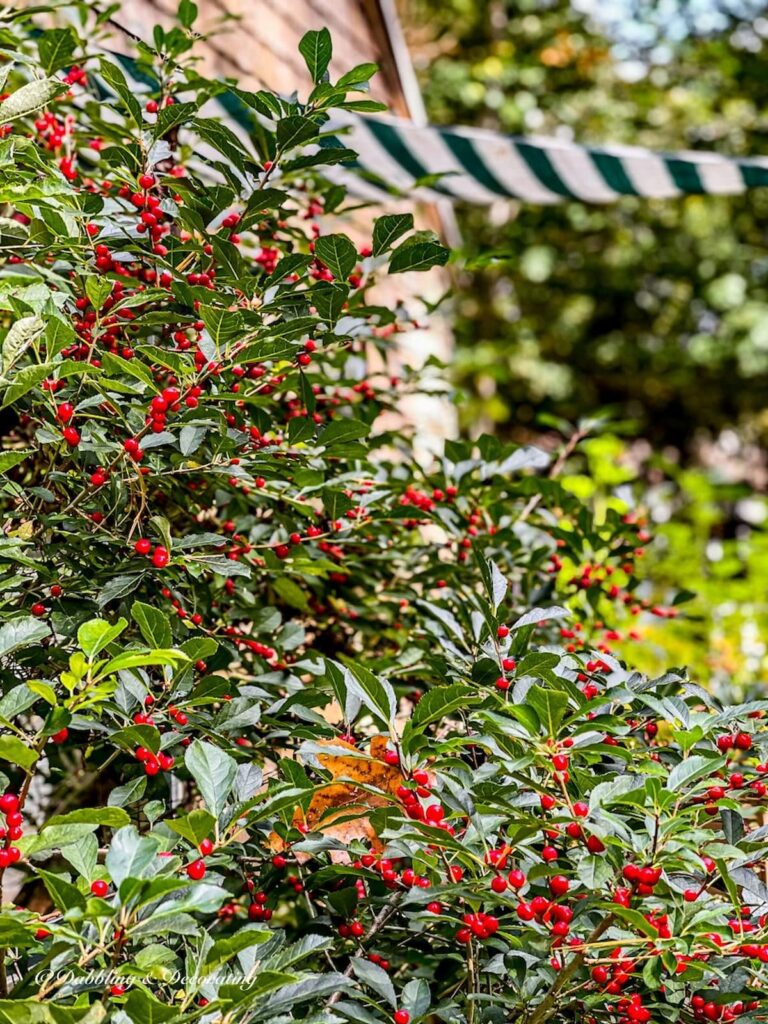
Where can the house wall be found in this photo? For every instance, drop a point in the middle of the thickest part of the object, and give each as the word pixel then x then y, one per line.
pixel 256 41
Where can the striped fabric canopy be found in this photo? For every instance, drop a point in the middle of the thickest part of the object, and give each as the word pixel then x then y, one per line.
pixel 397 157
pixel 478 166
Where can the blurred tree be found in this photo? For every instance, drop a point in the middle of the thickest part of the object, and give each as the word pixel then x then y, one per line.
pixel 658 308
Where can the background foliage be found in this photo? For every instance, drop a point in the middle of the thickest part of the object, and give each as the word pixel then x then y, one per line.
pixel 655 310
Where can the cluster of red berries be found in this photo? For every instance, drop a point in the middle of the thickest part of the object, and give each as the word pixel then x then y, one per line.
pixel 480 926
pixel 737 741
pixel 555 916
pixel 53 131
pixel 707 1009
pixel 257 909
pixel 13 830
pixel 388 871
pixel 159 555
pixel 64 413
pixel 434 813
pixel 160 406
pixel 153 763
pixel 614 977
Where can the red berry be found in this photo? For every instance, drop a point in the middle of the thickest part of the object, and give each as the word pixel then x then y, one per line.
pixel 559 885
pixel 146 181
pixel 99 887
pixel 71 436
pixel 206 847
pixel 60 736
pixel 196 870
pixel 160 557
pixel 9 803
pixel 142 546
pixel 65 412
pixel 401 1017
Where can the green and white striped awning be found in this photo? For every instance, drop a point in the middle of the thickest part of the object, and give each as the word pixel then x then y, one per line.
pixel 478 166
pixel 397 157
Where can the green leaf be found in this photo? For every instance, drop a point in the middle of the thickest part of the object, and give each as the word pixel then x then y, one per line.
pixel 359 75
pixel 224 949
pixel 138 659
pixel 415 997
pixel 30 98
pixel 14 933
pixel 83 854
pixel 14 750
pixel 130 855
pixel 116 80
pixel 549 705
pixel 111 817
pixel 692 768
pixel 388 229
pixel 63 893
pixel 337 253
pixel 56 837
pixel 153 624
pixel 594 872
pixel 10 459
pixel 295 130
pixel 194 827
pixel 23 381
pixel 376 694
pixel 21 334
pixel 374 977
pixel 117 586
pixel 96 634
pixel 171 117
pixel 223 139
pixel 214 772
pixel 223 325
pixel 317 49
pixel 56 46
pixel 498 588
pixel 187 13
pixel 733 825
pixel 291 593
pixel 537 615
pixel 342 430
pixel 418 256
pixel 97 289
pixel 128 793
pixel 439 702
pixel 142 1007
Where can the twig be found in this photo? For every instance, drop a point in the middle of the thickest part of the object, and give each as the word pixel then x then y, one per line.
pixel 378 923
pixel 548 1005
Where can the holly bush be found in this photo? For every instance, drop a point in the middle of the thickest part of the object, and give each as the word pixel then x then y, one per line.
pixel 296 726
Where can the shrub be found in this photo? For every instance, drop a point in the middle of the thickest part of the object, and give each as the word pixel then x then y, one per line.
pixel 294 727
